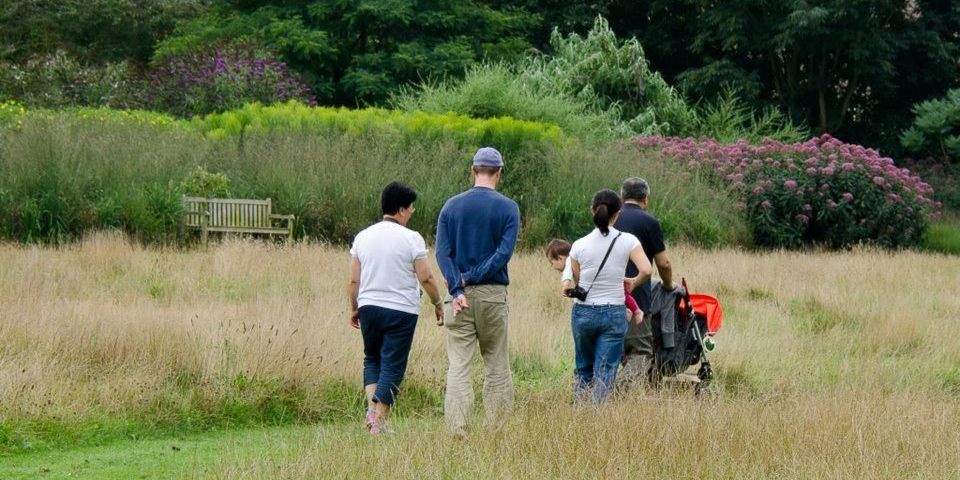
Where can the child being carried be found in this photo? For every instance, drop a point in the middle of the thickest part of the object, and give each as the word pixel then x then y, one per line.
pixel 558 253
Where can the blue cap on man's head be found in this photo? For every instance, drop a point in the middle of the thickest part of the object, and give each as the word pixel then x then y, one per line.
pixel 487 157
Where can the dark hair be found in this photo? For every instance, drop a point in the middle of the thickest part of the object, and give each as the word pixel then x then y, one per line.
pixel 557 247
pixel 483 170
pixel 634 188
pixel 606 204
pixel 395 196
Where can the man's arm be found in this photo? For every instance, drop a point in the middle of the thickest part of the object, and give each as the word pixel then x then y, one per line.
pixel 445 257
pixel 665 269
pixel 430 284
pixel 499 259
pixel 658 250
pixel 353 289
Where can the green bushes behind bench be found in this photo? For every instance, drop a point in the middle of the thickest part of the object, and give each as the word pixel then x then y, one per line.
pixel 65 173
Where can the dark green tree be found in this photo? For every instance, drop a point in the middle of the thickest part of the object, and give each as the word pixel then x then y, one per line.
pixel 361 51
pixel 852 68
pixel 93 31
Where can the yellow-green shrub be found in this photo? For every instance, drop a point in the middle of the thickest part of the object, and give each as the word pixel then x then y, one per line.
pixel 290 117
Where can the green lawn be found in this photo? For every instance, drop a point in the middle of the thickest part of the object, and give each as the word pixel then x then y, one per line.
pixel 187 457
pixel 193 456
pixel 944 237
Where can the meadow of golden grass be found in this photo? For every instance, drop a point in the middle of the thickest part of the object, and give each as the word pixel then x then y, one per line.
pixel 830 365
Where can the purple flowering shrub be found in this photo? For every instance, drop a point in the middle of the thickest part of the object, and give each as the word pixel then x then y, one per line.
pixel 821 191
pixel 223 78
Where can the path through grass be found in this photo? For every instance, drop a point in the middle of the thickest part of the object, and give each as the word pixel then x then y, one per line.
pixel 189 456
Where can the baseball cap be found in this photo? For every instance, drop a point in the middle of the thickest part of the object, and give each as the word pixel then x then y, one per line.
pixel 487 157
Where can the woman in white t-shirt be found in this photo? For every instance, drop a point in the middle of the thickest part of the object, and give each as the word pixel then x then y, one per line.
pixel 598 320
pixel 388 262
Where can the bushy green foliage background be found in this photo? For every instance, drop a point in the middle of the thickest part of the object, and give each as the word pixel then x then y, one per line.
pixel 66 173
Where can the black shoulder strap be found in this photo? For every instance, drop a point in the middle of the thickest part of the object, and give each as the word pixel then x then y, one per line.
pixel 604 262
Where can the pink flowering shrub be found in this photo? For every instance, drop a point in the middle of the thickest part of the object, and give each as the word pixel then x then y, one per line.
pixel 821 191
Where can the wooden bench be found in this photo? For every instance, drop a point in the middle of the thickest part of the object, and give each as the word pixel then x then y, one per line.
pixel 234 215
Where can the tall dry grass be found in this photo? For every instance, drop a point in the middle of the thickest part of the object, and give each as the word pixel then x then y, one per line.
pixel 850 361
pixel 839 435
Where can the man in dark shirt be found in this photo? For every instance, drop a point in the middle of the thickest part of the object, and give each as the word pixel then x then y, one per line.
pixel 476 234
pixel 634 218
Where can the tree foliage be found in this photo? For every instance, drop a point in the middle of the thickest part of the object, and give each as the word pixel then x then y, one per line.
pixel 935 131
pixel 93 31
pixel 597 87
pixel 357 52
pixel 612 74
pixel 853 68
pixel 849 67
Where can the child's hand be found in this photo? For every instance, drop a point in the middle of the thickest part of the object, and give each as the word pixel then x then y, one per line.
pixel 565 287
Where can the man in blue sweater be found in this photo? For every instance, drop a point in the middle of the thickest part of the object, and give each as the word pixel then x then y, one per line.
pixel 476 235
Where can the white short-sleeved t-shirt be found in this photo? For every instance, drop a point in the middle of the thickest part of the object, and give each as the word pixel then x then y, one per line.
pixel 589 252
pixel 388 278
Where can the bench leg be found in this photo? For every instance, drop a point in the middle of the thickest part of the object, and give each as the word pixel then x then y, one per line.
pixel 204 223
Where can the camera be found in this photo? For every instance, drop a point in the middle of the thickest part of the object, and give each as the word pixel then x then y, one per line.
pixel 578 292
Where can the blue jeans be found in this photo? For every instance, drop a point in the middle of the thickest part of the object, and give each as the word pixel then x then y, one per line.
pixel 598 332
pixel 387 337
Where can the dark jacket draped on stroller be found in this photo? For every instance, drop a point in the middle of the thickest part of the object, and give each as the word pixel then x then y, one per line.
pixel 681 323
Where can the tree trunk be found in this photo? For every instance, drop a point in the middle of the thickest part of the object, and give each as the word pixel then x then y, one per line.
pixel 822 102
pixel 821 94
pixel 854 85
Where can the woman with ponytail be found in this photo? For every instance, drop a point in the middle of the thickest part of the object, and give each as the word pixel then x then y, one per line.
pixel 598 321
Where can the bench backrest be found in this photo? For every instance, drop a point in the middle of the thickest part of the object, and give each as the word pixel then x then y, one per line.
pixel 227 212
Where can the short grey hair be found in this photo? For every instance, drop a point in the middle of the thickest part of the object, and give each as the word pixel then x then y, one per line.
pixel 634 188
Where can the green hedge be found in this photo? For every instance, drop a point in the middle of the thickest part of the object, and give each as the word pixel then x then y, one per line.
pixel 68 172
pixel 294 117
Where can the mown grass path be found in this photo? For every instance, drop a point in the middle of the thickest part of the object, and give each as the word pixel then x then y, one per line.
pixel 193 456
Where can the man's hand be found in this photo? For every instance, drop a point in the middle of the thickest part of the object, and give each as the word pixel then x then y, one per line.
pixel 355 319
pixel 669 286
pixel 438 311
pixel 460 304
pixel 638 317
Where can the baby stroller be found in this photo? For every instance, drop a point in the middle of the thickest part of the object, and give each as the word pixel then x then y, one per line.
pixel 697 318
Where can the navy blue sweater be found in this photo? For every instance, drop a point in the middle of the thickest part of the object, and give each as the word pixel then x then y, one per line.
pixel 476 234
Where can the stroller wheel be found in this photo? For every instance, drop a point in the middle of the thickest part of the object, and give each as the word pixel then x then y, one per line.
pixel 705 374
pixel 705 391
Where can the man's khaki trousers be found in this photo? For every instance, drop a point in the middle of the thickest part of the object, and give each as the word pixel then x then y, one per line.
pixel 483 325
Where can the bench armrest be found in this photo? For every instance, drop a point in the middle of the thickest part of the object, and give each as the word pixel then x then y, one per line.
pixel 285 220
